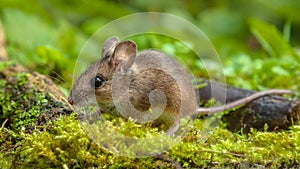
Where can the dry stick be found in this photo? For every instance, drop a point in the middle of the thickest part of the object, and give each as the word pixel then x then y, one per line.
pixel 3 124
pixel 217 152
pixel 166 158
pixel 3 53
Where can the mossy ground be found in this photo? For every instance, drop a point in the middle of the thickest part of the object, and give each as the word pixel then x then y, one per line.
pixel 63 143
pixel 66 145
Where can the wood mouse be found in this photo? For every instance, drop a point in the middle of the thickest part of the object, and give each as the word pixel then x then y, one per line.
pixel 146 86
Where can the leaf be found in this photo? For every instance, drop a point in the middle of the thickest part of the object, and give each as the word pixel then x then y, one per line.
pixel 280 71
pixel 271 39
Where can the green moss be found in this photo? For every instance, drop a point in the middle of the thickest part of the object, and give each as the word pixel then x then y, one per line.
pixel 224 148
pixel 19 101
pixel 6 64
pixel 66 145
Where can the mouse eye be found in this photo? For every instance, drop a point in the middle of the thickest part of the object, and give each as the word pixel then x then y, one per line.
pixel 97 82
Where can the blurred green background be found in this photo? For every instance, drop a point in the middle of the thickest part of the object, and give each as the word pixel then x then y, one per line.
pixel 257 41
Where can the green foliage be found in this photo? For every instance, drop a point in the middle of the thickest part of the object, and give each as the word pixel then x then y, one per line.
pixel 265 69
pixel 174 48
pixel 224 148
pixel 271 39
pixel 19 102
pixel 66 145
pixel 4 65
pixel 39 50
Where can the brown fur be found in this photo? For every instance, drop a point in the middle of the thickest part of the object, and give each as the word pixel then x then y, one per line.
pixel 133 81
pixel 145 72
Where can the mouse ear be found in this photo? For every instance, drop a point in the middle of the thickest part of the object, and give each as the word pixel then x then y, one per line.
pixel 109 45
pixel 124 55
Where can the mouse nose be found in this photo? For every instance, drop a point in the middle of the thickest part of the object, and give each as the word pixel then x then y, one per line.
pixel 70 100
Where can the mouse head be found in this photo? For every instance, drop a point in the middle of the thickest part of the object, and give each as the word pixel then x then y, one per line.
pixel 96 81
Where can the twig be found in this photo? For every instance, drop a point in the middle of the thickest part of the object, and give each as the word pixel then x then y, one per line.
pixel 217 152
pixel 166 158
pixel 3 124
pixel 3 53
